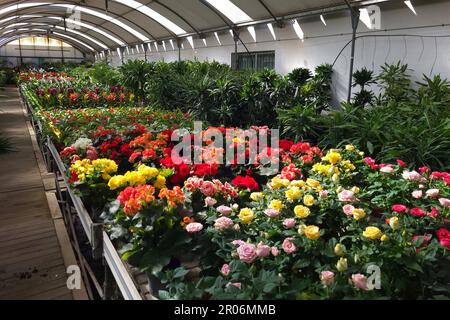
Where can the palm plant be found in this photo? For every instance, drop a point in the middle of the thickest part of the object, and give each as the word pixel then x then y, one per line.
pixel 363 78
pixel 134 75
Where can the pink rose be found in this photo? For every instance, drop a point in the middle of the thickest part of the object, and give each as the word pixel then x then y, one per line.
pixel 387 169
pixel 434 213
pixel 225 270
pixel 432 193
pixel 209 202
pixel 359 281
pixel 237 242
pixel 327 278
pixel 413 176
pixel 194 227
pixel 289 223
pixel 223 223
pixel 275 252
pixel 444 202
pixel 271 213
pixel 91 153
pixel 288 246
pixel 235 284
pixel 323 194
pixel 247 252
pixel 399 208
pixel 262 250
pixel 207 188
pixel 224 210
pixel 417 194
pixel 348 208
pixel 347 196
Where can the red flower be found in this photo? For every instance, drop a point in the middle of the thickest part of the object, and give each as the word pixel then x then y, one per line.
pixel 148 154
pixel 245 183
pixel 424 169
pixel 434 213
pixel 401 163
pixel 399 208
pixel 444 237
pixel 286 144
pixel 205 169
pixel 167 162
pixel 300 147
pixel 418 212
pixel 134 156
pixel 73 177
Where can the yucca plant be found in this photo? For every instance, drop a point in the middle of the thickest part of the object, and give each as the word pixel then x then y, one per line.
pixel 363 78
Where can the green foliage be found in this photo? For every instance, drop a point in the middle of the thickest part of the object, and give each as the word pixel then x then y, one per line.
pixel 395 81
pixel 134 74
pixel 100 72
pixel 299 76
pixel 363 78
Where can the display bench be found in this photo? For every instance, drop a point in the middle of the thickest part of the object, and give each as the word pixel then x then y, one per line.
pixel 117 274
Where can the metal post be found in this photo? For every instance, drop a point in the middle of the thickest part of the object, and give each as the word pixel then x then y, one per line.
pixel 20 52
pixel 179 48
pixel 236 39
pixel 62 52
pixel 355 22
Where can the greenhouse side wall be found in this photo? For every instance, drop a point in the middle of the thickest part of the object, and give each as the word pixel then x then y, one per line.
pixel 323 43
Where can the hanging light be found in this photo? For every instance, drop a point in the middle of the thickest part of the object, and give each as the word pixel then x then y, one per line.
pixel 164 45
pixel 191 41
pixel 323 20
pixel 204 42
pixel 149 45
pixel 298 30
pixel 272 31
pixel 171 43
pixel 410 6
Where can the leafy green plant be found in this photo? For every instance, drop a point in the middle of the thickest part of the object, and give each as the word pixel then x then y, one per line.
pixel 299 76
pixel 363 78
pixel 395 82
pixel 134 74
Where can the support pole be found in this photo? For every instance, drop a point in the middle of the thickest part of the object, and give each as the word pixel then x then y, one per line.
pixel 20 52
pixel 179 48
pixel 236 39
pixel 355 22
pixel 62 52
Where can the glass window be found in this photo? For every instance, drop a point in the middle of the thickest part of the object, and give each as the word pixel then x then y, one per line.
pixel 255 61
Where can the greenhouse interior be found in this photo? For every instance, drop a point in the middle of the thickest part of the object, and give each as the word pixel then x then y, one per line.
pixel 204 150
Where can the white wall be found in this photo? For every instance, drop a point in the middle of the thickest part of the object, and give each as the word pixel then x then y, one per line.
pixel 38 54
pixel 322 45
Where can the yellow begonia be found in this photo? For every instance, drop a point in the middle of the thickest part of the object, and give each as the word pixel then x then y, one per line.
pixel 276 204
pixel 148 172
pixel 246 215
pixel 372 233
pixel 134 178
pixel 301 212
pixel 277 183
pixel 312 232
pixel 332 157
pixel 312 183
pixel 293 193
pixel 117 182
pixel 308 200
pixel 297 183
pixel 160 182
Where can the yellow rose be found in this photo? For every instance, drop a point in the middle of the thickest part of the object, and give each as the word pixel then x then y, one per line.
pixel 355 190
pixel 257 196
pixel 160 182
pixel 301 212
pixel 297 183
pixel 393 223
pixel 384 238
pixel 339 249
pixel 342 265
pixel 349 147
pixel 312 183
pixel 301 229
pixel 372 233
pixel 293 193
pixel 308 200
pixel 277 183
pixel 276 204
pixel 312 232
pixel 246 215
pixel 358 214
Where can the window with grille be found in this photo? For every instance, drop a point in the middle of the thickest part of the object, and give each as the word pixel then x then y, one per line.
pixel 255 61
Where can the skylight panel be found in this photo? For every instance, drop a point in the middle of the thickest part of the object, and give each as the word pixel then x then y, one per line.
pixel 153 15
pixel 230 10
pixel 75 40
pixel 84 36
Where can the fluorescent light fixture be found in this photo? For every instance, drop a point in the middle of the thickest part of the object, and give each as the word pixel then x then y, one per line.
pixel 149 45
pixel 15 7
pixel 75 40
pixel 218 39
pixel 91 27
pixel 191 41
pixel 132 51
pixel 143 48
pixel 323 20
pixel 15 25
pixel 119 53
pixel 164 45
pixel 9 31
pixel 232 33
pixel 272 31
pixel 252 32
pixel 365 18
pixel 137 49
pixel 182 45
pixel 81 34
pixel 410 6
pixel 128 50
pixel 156 46
pixel 153 15
pixel 171 43
pixel 204 42
pixel 298 30
pixel 230 10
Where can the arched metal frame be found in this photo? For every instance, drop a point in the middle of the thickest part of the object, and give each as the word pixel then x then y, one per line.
pixel 332 7
pixel 31 33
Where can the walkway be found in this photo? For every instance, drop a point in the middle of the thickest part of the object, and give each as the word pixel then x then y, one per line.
pixel 31 259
